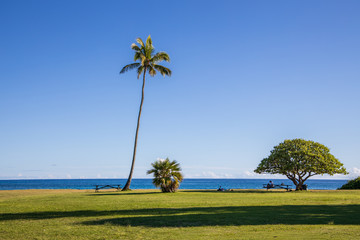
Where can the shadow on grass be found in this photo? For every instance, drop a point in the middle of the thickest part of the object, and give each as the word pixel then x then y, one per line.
pixel 188 190
pixel 209 216
pixel 238 191
pixel 122 193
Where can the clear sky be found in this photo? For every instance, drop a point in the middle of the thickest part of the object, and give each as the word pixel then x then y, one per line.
pixel 246 76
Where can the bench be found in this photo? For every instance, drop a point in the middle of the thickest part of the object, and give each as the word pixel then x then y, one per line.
pixel 98 187
pixel 279 186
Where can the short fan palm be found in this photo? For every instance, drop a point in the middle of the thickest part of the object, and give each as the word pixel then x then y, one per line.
pixel 167 175
pixel 147 63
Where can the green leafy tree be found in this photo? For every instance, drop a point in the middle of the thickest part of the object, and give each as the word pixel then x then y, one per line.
pixel 352 184
pixel 167 175
pixel 299 160
pixel 146 61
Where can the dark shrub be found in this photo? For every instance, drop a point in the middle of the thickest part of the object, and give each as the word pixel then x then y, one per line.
pixel 352 184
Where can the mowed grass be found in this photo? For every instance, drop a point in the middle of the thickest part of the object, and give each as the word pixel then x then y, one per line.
pixel 149 214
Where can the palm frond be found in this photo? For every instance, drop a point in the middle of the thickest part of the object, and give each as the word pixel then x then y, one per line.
pixel 178 176
pixel 139 71
pixel 135 47
pixel 163 70
pixel 148 49
pixel 160 56
pixel 152 71
pixel 129 67
pixel 149 41
pixel 150 171
pixel 149 52
pixel 140 41
pixel 139 56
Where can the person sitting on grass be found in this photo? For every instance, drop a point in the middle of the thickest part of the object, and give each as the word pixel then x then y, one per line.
pixel 220 189
pixel 270 185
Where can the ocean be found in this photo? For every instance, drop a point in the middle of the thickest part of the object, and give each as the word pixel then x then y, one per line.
pixel 147 183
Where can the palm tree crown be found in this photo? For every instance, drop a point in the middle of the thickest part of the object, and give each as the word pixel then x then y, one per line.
pixel 148 60
pixel 167 175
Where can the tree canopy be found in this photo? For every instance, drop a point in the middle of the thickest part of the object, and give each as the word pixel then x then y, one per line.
pixel 352 184
pixel 146 60
pixel 300 159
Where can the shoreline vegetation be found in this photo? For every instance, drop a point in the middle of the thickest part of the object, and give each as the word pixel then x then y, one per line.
pixel 186 214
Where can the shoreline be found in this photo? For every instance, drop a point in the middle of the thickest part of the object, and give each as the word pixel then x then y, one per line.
pixel 142 184
pixel 179 190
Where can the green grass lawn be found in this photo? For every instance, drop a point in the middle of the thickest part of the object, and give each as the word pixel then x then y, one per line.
pixel 145 214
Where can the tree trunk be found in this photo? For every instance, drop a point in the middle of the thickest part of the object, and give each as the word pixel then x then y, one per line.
pixel 128 182
pixel 299 186
pixel 295 181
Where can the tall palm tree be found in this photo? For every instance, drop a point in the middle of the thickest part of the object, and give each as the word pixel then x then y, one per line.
pixel 146 60
pixel 167 175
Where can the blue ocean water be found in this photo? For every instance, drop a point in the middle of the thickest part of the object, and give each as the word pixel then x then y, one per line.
pixel 147 184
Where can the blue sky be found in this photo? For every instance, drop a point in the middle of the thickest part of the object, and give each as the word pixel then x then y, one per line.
pixel 246 76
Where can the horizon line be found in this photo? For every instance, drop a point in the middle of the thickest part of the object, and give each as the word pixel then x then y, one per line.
pixel 5 179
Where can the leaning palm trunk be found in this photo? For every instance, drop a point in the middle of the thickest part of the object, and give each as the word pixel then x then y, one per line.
pixel 148 61
pixel 128 182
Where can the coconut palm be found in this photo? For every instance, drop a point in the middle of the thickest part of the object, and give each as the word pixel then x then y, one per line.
pixel 146 61
pixel 167 175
